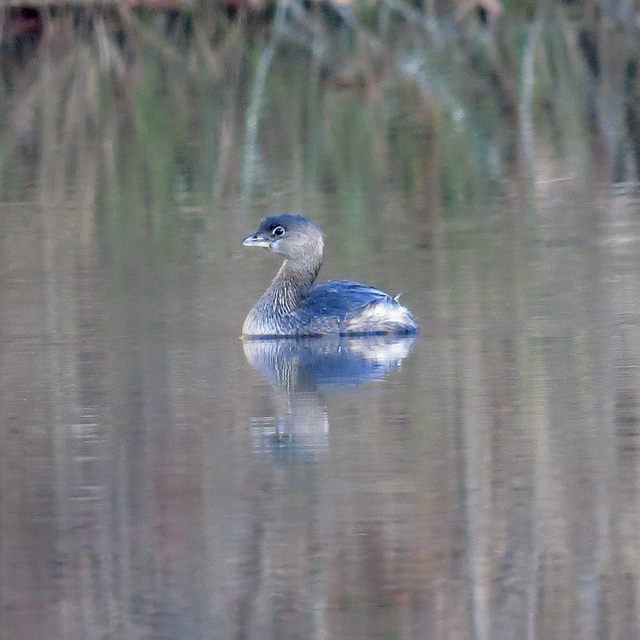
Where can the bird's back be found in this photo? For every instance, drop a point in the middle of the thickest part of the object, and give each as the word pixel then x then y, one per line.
pixel 346 307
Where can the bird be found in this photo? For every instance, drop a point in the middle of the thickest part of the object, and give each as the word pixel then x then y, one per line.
pixel 295 306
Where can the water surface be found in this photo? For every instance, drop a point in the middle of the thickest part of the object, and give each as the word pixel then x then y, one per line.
pixel 158 478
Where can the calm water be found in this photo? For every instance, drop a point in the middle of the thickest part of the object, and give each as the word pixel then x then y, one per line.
pixel 159 479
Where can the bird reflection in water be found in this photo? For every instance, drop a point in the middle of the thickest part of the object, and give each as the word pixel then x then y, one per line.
pixel 299 370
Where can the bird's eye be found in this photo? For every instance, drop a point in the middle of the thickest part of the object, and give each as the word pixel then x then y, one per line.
pixel 278 231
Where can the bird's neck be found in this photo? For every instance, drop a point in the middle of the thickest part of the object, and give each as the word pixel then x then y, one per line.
pixel 293 283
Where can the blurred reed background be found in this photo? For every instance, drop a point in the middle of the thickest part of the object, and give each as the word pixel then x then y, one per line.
pixel 90 92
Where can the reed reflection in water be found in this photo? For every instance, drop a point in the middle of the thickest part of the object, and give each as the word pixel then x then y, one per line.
pixel 481 482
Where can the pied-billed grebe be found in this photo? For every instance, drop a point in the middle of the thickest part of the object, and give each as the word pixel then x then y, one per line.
pixel 294 306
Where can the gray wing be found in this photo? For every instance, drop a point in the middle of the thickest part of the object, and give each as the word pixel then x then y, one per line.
pixel 342 298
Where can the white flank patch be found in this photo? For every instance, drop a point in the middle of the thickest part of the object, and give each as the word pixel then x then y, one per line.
pixel 380 316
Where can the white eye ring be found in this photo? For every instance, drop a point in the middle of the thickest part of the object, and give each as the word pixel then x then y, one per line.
pixel 278 231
